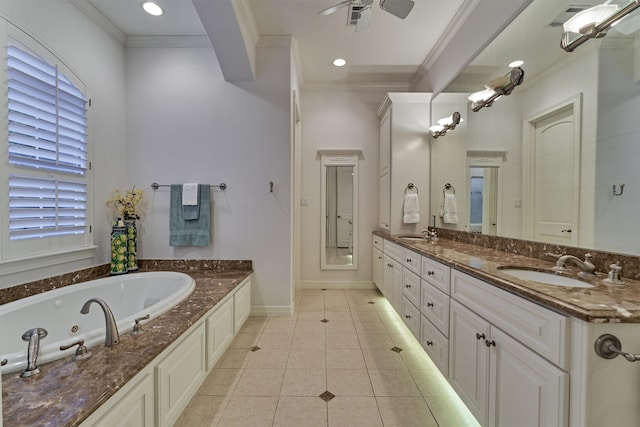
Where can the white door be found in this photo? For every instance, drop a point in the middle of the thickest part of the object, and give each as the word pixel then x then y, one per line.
pixel 344 204
pixel 556 185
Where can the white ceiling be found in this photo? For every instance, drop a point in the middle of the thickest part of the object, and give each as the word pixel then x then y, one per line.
pixel 389 52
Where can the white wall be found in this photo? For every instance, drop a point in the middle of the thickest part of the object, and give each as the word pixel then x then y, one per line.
pixel 186 124
pixel 99 62
pixel 346 120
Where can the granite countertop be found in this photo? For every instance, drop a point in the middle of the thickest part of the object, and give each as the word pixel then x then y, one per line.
pixel 601 303
pixel 67 392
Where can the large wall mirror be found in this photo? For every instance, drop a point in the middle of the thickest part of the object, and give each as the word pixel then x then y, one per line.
pixel 567 137
pixel 339 210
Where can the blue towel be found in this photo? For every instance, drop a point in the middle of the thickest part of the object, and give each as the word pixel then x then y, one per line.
pixel 190 232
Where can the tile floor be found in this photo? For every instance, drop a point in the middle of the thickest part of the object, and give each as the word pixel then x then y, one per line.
pixel 330 364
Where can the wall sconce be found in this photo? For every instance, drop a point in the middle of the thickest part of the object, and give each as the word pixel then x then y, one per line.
pixel 446 124
pixel 496 88
pixel 593 23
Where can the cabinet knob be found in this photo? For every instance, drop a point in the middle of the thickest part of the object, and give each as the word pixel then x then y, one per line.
pixel 379 257
pixel 480 336
pixel 429 342
pixel 430 273
pixel 430 304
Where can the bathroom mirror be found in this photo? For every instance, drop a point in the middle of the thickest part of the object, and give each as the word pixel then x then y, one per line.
pixel 339 211
pixel 567 136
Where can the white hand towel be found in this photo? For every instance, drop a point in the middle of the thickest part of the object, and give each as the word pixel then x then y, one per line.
pixel 411 208
pixel 189 194
pixel 450 209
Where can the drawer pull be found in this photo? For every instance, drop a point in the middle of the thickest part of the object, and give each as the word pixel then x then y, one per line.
pixel 429 342
pixel 407 286
pixel 407 316
pixel 489 343
pixel 480 336
pixel 409 260
pixel 390 265
pixel 429 304
pixel 430 273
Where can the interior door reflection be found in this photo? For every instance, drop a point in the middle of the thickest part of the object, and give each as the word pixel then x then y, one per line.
pixel 339 249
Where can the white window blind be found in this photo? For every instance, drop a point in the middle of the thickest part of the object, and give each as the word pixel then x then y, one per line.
pixel 48 149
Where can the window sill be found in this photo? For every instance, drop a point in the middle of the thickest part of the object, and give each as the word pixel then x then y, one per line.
pixel 23 264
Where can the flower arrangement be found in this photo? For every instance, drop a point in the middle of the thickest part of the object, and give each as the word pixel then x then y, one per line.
pixel 128 205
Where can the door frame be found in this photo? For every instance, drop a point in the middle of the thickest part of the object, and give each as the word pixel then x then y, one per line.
pixel 528 163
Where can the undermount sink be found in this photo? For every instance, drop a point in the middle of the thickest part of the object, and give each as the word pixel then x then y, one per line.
pixel 544 277
pixel 415 238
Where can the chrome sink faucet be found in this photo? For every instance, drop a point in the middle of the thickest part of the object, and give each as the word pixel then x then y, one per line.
pixel 428 234
pixel 587 269
pixel 111 337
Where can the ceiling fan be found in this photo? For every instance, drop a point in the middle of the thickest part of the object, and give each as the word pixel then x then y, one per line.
pixel 360 10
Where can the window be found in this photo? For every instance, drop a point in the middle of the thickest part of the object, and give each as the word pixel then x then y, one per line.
pixel 47 157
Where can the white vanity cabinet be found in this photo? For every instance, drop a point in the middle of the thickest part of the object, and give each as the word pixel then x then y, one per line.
pixel 393 277
pixel 403 158
pixel 500 379
pixel 378 261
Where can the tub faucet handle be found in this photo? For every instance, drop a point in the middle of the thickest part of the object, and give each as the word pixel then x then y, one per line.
pixel 81 351
pixel 137 328
pixel 33 337
pixel 3 362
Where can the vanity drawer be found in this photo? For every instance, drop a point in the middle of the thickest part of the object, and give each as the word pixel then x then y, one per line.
pixel 537 327
pixel 393 250
pixel 435 307
pixel 437 274
pixel 411 317
pixel 435 344
pixel 378 242
pixel 412 260
pixel 411 287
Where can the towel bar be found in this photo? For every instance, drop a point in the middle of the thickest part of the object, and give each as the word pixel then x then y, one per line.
pixel 155 186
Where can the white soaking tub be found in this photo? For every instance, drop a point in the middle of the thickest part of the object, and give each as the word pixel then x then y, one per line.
pixel 129 296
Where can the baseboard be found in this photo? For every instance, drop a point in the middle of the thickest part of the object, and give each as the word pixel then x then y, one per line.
pixel 313 284
pixel 273 310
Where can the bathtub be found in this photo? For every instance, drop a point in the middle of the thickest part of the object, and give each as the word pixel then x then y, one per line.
pixel 129 296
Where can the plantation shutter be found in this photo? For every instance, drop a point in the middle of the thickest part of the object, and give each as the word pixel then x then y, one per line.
pixel 48 147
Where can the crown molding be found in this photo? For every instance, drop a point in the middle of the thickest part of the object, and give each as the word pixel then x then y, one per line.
pixel 100 20
pixel 364 86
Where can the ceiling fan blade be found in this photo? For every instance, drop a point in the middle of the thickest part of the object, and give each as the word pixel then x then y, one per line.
pixel 364 20
pixel 399 8
pixel 331 9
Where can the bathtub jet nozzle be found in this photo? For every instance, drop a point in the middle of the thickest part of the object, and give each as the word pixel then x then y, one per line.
pixel 112 337
pixel 33 336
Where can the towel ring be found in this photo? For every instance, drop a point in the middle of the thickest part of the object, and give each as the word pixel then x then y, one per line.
pixel 447 187
pixel 411 186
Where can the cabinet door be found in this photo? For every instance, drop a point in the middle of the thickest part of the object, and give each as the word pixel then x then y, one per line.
pixel 469 359
pixel 411 317
pixel 179 375
pixel 378 265
pixel 385 143
pixel 219 332
pixel 525 389
pixel 392 288
pixel 384 202
pixel 242 305
pixel 435 344
pixel 411 286
pixel 435 307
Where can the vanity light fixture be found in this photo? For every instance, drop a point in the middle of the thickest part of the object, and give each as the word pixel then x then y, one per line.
pixel 152 8
pixel 593 23
pixel 445 124
pixel 496 88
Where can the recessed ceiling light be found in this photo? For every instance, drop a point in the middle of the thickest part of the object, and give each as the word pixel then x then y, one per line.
pixel 152 8
pixel 339 62
pixel 516 63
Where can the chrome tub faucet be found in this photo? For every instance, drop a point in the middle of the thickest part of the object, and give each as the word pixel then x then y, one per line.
pixel 111 337
pixel 33 336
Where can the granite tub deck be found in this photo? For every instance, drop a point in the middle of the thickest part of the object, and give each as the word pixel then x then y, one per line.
pixel 602 303
pixel 67 392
